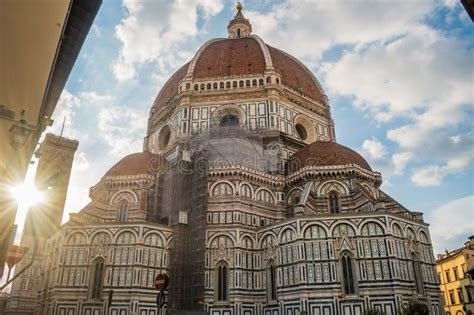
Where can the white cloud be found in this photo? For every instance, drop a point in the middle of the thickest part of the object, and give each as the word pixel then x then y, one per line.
pixel 454 154
pixel 94 97
pixel 81 162
pixel 122 129
pixel 97 30
pixel 393 65
pixel 374 149
pixel 400 161
pixel 421 76
pixel 65 112
pixel 313 26
pixel 378 156
pixel 452 223
pixel 152 30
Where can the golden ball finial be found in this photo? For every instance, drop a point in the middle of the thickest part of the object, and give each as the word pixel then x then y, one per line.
pixel 239 6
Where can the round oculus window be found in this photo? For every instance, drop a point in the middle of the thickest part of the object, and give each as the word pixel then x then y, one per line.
pixel 301 132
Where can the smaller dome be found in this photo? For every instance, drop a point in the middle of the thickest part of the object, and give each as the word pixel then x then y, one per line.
pixel 137 164
pixel 325 153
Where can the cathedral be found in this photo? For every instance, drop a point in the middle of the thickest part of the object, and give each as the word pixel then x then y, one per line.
pixel 243 197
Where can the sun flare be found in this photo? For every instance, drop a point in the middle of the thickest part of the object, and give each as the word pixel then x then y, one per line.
pixel 27 194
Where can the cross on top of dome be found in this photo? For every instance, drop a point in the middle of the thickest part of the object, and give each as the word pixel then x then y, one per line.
pixel 239 26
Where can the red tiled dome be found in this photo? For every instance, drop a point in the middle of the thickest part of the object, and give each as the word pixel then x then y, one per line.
pixel 230 57
pixel 243 56
pixel 137 164
pixel 325 153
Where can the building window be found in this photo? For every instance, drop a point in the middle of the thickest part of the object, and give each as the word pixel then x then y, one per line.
pixel 122 214
pixel 460 296
pixel 468 293
pixel 439 277
pixel 301 132
pixel 448 276
pixel 452 301
pixel 238 33
pixel 229 121
pixel 164 137
pixel 97 278
pixel 456 273
pixel 333 202
pixel 348 283
pixel 222 282
pixel 417 273
pixel 271 282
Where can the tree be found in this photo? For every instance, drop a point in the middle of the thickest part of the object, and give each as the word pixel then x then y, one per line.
pixel 415 307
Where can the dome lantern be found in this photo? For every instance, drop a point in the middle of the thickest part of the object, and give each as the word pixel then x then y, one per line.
pixel 240 26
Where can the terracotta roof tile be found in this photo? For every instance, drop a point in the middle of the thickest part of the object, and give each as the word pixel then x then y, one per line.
pixel 230 57
pixel 325 153
pixel 170 88
pixel 243 56
pixel 138 163
pixel 294 75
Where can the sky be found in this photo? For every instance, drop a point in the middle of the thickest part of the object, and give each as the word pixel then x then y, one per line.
pixel 399 76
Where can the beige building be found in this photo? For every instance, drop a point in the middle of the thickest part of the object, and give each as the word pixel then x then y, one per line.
pixel 455 272
pixel 39 43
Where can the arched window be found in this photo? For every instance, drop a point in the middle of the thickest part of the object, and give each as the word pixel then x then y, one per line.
pixel 417 273
pixel 97 278
pixel 254 82
pixel 227 85
pixel 122 213
pixel 222 189
pixel 264 195
pixel 229 120
pixel 203 86
pixel 241 83
pixel 221 85
pixel 209 86
pixel 247 83
pixel 215 86
pixel 260 82
pixel 234 84
pixel 222 281
pixel 348 279
pixel 269 80
pixel 188 86
pixel 196 87
pixel 277 81
pixel 238 33
pixel 333 199
pixel 271 281
pixel 245 191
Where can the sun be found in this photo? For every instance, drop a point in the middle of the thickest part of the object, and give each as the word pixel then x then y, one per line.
pixel 27 194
